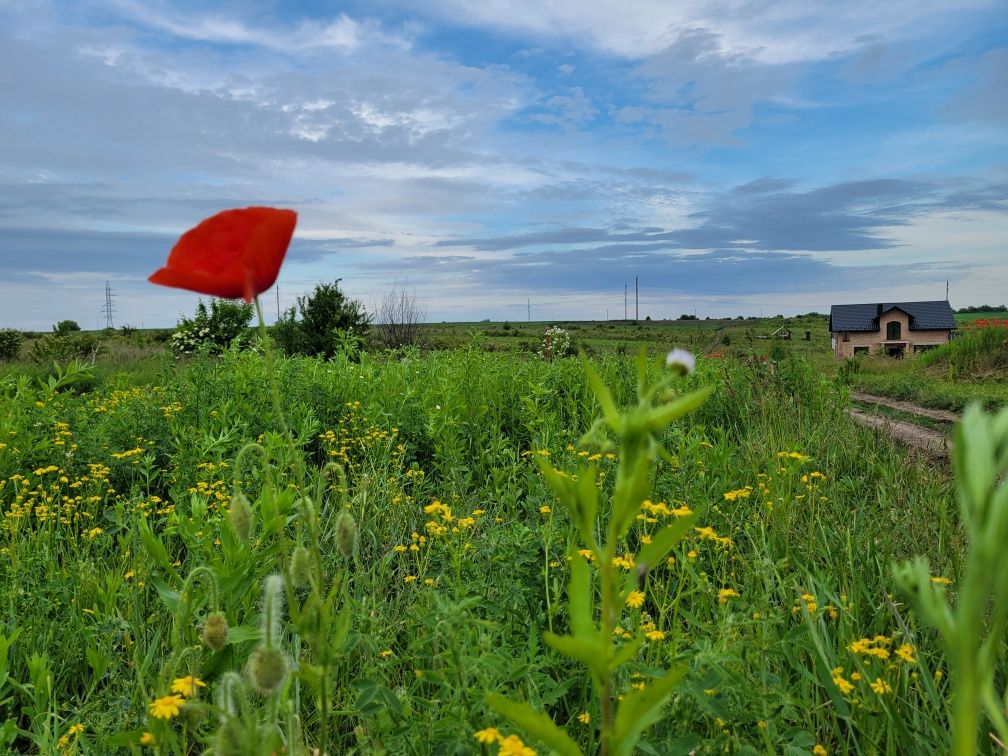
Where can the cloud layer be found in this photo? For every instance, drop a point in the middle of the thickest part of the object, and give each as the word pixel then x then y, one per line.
pixel 727 155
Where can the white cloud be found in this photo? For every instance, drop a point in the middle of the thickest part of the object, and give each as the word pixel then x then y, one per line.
pixel 783 31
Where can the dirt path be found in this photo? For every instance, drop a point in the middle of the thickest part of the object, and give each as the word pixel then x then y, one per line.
pixel 913 409
pixel 931 442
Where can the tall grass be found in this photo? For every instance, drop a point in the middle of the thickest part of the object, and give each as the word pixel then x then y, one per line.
pixel 802 514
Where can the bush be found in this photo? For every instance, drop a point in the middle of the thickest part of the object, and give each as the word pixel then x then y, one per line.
pixel 66 326
pixel 323 323
pixel 216 328
pixel 10 343
pixel 64 347
pixel 556 343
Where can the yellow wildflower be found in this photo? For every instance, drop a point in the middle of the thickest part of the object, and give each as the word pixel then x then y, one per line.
pixel 727 593
pixel 146 739
pixel 584 717
pixel 906 653
pixel 489 735
pixel 654 635
pixel 187 686
pixel 819 750
pixel 881 687
pixel 166 707
pixel 635 600
pixel 512 745
pixel 939 580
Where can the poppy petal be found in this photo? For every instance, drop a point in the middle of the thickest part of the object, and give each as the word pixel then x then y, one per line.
pixel 235 253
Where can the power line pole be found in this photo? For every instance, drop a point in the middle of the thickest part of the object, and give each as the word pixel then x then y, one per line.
pixel 108 310
pixel 529 305
pixel 278 301
pixel 624 300
pixel 946 290
pixel 636 287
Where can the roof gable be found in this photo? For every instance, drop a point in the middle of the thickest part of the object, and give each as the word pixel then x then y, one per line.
pixel 924 316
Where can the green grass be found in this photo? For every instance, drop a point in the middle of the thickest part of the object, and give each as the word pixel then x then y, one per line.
pixel 91 609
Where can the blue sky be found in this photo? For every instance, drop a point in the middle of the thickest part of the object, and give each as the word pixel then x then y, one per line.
pixel 737 157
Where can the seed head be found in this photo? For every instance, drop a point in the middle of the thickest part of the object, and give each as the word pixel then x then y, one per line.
pixel 345 533
pixel 300 566
pixel 241 516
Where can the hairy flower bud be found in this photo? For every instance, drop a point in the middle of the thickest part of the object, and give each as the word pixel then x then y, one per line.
pixel 680 361
pixel 267 668
pixel 300 566
pixel 215 631
pixel 241 516
pixel 345 533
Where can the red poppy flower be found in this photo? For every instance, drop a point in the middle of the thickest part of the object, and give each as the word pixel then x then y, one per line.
pixel 236 253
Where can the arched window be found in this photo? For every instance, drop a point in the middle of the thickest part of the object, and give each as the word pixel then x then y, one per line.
pixel 893 330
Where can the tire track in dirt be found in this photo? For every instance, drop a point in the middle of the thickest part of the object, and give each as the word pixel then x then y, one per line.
pixel 931 442
pixel 908 407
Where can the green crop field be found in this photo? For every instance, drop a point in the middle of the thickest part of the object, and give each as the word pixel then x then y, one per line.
pixel 472 549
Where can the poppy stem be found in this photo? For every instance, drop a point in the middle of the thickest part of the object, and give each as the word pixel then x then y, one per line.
pixel 275 394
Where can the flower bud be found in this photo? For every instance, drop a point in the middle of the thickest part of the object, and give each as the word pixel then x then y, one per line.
pixel 267 668
pixel 215 631
pixel 345 533
pixel 680 361
pixel 300 566
pixel 241 516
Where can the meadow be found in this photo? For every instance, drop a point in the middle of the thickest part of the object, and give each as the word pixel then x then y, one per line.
pixel 144 509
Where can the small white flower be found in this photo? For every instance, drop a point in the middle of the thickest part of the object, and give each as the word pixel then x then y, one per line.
pixel 681 361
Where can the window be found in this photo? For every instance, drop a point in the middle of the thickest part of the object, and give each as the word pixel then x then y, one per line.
pixel 846 336
pixel 860 350
pixel 893 330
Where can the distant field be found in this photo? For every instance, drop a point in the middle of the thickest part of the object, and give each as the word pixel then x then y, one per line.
pixel 969 317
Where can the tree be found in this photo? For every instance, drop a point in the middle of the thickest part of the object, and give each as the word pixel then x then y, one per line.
pixel 322 323
pixel 400 317
pixel 66 326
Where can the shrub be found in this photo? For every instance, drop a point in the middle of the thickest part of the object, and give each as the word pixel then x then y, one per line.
pixel 323 323
pixel 217 328
pixel 10 343
pixel 556 343
pixel 66 326
pixel 64 347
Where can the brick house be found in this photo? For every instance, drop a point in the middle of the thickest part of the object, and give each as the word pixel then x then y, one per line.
pixel 896 328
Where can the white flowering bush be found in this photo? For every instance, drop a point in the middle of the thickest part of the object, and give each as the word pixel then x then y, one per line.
pixel 216 327
pixel 556 343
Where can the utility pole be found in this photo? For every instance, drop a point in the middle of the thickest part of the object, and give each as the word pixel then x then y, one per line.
pixel 624 300
pixel 946 290
pixel 529 305
pixel 278 301
pixel 636 287
pixel 108 310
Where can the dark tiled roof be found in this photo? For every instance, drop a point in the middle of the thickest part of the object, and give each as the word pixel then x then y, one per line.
pixel 924 316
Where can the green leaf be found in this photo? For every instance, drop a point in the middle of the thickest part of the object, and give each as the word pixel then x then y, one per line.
pixel 243 633
pixel 535 723
pixel 640 708
pixel 154 546
pixel 664 540
pixel 579 595
pixel 560 484
pixel 169 596
pixel 605 400
pixel 586 492
pixel 659 418
pixel 590 651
